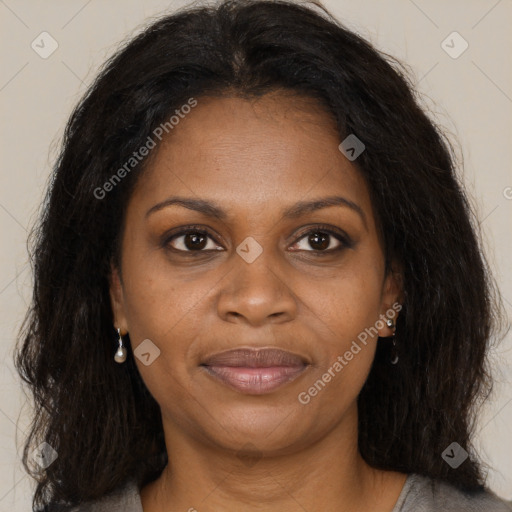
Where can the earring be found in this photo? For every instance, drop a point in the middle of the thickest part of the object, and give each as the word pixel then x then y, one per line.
pixel 393 358
pixel 120 356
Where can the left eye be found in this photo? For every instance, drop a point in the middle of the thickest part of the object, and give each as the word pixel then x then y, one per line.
pixel 320 241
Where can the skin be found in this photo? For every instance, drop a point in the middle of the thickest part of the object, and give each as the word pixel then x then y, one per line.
pixel 228 450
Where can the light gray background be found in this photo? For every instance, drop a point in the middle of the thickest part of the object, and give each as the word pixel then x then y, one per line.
pixel 470 96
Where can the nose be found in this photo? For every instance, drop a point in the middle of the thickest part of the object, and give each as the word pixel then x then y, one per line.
pixel 256 293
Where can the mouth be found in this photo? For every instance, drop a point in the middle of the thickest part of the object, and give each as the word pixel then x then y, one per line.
pixel 255 371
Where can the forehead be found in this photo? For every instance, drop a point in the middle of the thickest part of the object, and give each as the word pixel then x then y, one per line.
pixel 253 153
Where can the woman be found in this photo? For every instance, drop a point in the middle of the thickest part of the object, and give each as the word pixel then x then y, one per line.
pixel 251 282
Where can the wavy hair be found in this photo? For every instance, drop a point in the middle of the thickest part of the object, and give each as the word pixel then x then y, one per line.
pixel 99 416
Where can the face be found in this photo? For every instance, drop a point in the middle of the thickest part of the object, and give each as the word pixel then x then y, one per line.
pixel 272 244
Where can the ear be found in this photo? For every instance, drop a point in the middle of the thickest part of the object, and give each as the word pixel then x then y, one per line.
pixel 117 300
pixel 392 298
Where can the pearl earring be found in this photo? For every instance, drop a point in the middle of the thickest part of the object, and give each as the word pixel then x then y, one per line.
pixel 120 356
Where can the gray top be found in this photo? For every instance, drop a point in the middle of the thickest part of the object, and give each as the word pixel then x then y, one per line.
pixel 419 494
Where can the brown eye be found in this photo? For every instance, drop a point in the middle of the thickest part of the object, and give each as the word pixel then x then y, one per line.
pixel 195 241
pixel 322 240
pixel 192 241
pixel 319 241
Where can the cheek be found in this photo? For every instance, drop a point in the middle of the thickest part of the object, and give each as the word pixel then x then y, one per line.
pixel 349 342
pixel 161 308
pixel 349 300
pixel 168 313
pixel 348 306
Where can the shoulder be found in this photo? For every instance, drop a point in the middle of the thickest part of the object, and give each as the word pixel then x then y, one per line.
pixel 423 494
pixel 123 499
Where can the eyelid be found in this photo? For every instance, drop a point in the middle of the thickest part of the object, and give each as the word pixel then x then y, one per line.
pixel 324 228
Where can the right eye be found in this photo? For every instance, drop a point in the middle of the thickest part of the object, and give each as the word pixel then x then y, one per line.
pixel 192 240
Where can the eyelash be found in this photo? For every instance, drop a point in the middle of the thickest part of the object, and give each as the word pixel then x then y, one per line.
pixel 341 237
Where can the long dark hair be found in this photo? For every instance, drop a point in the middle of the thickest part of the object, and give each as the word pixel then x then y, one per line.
pixel 99 416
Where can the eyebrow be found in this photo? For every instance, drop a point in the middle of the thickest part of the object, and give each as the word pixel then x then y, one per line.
pixel 299 209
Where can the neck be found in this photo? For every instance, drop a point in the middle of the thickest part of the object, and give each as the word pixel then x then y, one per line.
pixel 329 475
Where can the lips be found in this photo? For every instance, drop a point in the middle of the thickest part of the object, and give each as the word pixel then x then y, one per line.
pixel 255 371
pixel 255 358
